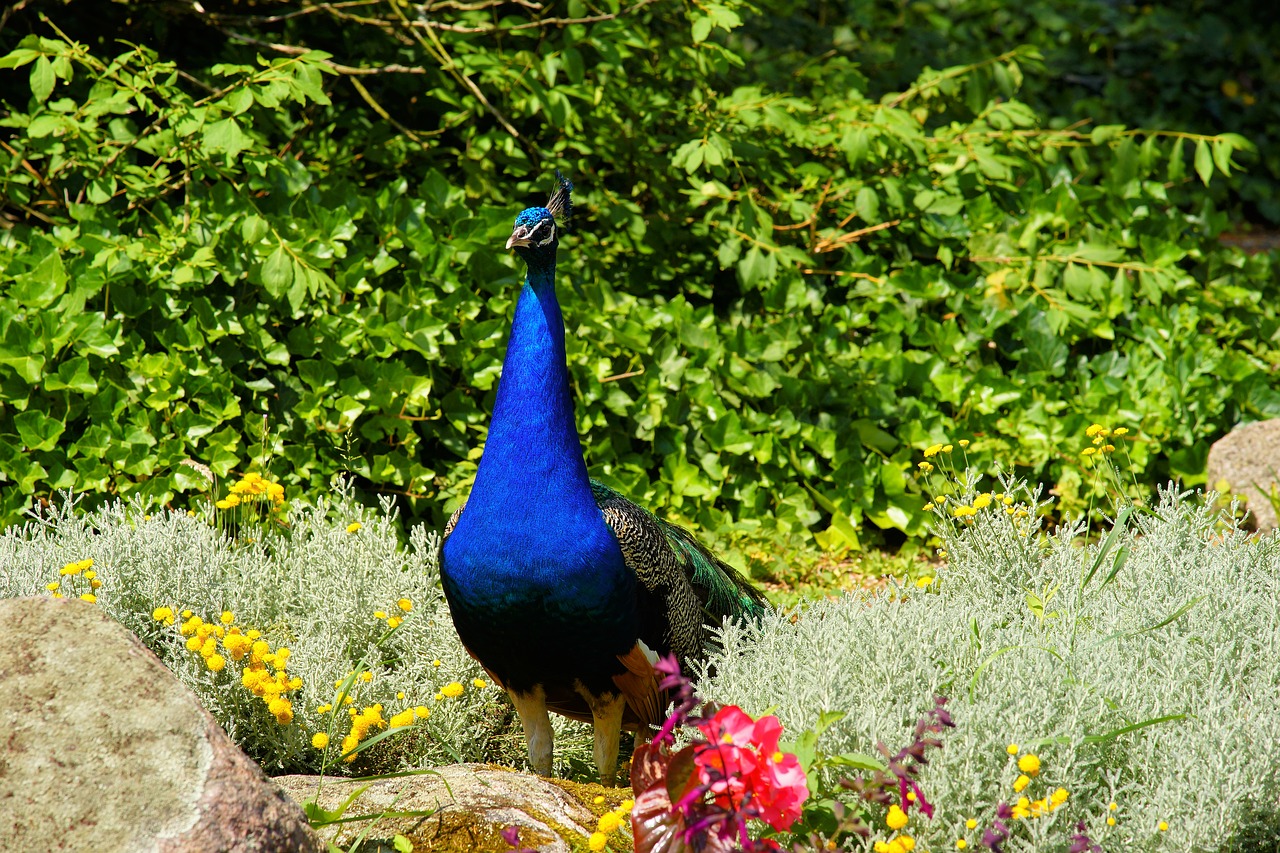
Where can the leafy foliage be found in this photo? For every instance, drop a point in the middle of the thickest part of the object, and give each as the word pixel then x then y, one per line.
pixel 786 280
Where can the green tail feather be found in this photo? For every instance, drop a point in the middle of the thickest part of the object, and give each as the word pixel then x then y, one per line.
pixel 724 592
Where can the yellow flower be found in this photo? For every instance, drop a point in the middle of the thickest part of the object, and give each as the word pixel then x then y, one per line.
pixel 379 614
pixel 194 643
pixel 279 705
pixel 324 709
pixel 480 683
pixel 1059 796
pixel 1113 807
pixel 963 511
pixel 928 507
pixel 89 597
pixel 906 842
pixel 626 806
pixel 95 584
pixel 1162 826
pixel 971 823
pixel 422 712
pixel 216 663
pixel 1088 451
pixel 961 844
pixel 947 448
pixel 1021 782
pixel 404 718
pixel 1121 431
pixel 982 501
pixel 209 647
pixel 400 694
pixel 227 617
pixel 896 818
pixel 1094 429
pixel 925 467
pixel 319 740
pixel 1029 764
pixel 1111 821
pixel 394 622
pixel 52 587
pixel 964 442
pixel 436 663
pixel 1012 749
pixel 598 841
pixel 354 527
pixel 932 450
pixel 366 676
pixel 90 575
pixel 453 689
pixel 163 614
pixel 405 604
pixel 609 822
pixel 922 583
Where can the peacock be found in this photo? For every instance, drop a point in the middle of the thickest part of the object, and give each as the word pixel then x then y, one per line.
pixel 565 591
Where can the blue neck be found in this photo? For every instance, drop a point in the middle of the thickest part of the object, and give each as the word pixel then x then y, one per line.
pixel 533 451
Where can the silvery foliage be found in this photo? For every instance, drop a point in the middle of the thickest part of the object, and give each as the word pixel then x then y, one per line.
pixel 313 588
pixel 1186 633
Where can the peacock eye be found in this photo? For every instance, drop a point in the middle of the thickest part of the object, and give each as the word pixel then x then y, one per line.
pixel 544 233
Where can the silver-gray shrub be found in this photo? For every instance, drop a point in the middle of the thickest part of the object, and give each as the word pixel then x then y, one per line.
pixel 313 589
pixel 1187 630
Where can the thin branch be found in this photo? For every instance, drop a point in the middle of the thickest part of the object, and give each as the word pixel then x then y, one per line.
pixel 338 68
pixel 868 276
pixel 826 245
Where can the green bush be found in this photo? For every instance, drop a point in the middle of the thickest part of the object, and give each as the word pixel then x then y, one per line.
pixel 786 280
pixel 1141 669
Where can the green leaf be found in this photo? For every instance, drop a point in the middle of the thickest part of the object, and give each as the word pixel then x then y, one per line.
pixel 38 287
pixel 42 79
pixel 1203 161
pixel 277 272
pixel 701 29
pixel 37 430
pixel 226 136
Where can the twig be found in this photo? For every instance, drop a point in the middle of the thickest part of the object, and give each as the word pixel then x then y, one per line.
pixel 346 70
pixel 826 245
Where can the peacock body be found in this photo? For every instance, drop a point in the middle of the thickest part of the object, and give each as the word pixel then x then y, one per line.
pixel 565 591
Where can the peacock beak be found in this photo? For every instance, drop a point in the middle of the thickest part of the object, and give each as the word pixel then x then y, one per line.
pixel 519 237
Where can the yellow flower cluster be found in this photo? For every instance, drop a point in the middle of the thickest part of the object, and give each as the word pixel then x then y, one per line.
pixel 896 820
pixel 252 486
pixel 1025 807
pixel 73 572
pixel 264 672
pixel 76 568
pixel 981 501
pixel 609 823
pixel 394 621
pixel 1101 439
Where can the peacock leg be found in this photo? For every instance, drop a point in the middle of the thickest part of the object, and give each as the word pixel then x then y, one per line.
pixel 606 715
pixel 532 708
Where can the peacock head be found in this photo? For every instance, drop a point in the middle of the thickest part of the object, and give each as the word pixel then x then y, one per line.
pixel 537 229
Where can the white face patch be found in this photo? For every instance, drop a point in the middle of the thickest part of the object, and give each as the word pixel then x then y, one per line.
pixel 543 234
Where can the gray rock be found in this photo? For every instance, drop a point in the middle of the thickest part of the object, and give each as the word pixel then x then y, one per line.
pixel 1247 461
pixel 105 750
pixel 470 805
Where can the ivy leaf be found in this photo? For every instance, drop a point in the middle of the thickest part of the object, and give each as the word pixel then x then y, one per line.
pixel 37 430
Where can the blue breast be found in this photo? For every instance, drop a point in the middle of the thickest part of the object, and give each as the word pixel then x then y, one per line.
pixel 535 579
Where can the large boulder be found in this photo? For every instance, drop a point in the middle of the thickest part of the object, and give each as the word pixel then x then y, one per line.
pixel 1246 461
pixel 469 806
pixel 105 750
